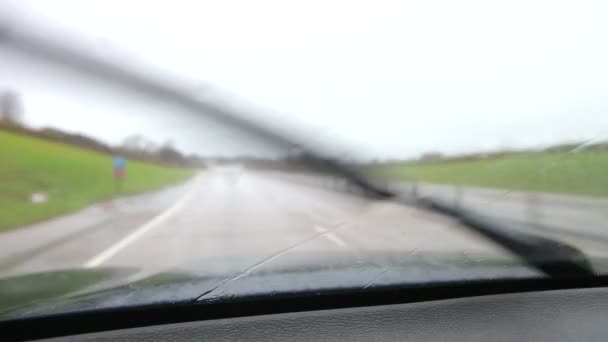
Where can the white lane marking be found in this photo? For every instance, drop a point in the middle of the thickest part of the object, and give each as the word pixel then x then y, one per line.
pixel 127 240
pixel 330 236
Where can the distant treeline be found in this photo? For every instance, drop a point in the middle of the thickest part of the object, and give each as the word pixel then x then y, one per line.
pixel 437 157
pixel 165 155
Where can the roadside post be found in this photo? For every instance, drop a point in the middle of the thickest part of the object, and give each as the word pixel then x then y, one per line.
pixel 119 165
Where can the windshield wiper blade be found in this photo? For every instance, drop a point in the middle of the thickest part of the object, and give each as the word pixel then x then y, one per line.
pixel 546 255
pixel 554 258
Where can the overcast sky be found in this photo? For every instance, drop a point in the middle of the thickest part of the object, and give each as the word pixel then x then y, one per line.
pixel 391 79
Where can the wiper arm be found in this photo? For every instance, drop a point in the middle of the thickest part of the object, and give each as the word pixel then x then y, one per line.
pixel 551 257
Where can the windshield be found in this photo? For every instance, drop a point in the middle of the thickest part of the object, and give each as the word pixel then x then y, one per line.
pixel 157 152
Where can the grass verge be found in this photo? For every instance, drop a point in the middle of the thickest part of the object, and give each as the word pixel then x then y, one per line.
pixel 71 177
pixel 25 290
pixel 583 173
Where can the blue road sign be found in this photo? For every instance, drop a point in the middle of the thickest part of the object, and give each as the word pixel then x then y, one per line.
pixel 119 163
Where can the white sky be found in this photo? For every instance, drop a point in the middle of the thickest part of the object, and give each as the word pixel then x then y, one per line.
pixel 393 79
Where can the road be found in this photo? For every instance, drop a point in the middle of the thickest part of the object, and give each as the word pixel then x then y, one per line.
pixel 553 215
pixel 543 213
pixel 231 220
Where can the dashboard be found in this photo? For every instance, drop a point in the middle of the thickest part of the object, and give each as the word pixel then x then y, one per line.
pixel 555 315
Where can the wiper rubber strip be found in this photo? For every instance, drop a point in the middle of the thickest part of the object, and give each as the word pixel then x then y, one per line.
pixel 554 258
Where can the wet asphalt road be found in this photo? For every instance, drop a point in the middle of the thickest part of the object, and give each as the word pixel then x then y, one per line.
pixel 230 220
pixel 581 221
pixel 585 215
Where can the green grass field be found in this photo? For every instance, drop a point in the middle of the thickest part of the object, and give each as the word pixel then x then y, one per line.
pixel 583 173
pixel 72 178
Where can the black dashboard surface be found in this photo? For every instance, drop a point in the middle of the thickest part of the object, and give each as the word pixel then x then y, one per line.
pixel 557 315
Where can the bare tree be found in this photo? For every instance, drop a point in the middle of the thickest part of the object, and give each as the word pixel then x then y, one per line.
pixel 134 143
pixel 431 156
pixel 11 108
pixel 168 153
pixel 150 147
